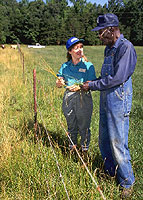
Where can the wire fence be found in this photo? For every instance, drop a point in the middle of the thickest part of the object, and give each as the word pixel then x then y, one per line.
pixel 36 105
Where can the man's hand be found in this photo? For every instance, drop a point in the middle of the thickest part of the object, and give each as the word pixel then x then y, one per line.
pixel 85 86
pixel 60 82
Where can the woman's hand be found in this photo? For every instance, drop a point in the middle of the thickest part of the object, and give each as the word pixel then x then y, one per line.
pixel 60 82
pixel 73 88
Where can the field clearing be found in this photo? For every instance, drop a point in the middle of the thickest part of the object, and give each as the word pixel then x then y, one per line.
pixel 28 168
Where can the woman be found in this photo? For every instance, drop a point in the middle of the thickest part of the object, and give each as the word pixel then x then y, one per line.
pixel 77 104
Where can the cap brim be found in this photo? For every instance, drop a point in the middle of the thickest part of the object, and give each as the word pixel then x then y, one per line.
pixel 81 40
pixel 97 28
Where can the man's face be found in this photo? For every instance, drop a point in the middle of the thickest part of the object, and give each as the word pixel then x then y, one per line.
pixel 106 36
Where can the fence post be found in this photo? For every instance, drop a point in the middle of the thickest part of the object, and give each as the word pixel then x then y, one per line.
pixel 35 103
pixel 23 67
pixel 21 55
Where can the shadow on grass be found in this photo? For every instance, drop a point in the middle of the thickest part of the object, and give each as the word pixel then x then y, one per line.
pixel 58 139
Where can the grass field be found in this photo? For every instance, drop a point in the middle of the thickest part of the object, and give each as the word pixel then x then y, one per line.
pixel 29 169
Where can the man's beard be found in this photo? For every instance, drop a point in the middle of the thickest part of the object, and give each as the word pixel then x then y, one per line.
pixel 108 38
pixel 108 41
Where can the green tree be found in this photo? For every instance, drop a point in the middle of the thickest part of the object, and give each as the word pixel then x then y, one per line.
pixel 53 22
pixel 10 7
pixel 130 15
pixel 4 24
pixel 131 18
pixel 33 20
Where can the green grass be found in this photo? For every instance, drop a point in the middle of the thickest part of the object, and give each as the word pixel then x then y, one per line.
pixel 28 168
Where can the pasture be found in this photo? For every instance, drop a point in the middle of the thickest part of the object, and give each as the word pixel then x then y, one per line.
pixel 29 169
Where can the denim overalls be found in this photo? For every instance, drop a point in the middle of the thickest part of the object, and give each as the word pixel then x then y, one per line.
pixel 115 106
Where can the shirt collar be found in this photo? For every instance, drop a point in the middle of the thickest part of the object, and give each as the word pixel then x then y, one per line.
pixel 117 43
pixel 82 60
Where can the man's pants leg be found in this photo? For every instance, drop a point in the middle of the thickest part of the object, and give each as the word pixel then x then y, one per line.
pixel 118 105
pixel 104 138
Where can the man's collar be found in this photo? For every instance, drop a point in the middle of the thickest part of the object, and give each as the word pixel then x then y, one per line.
pixel 118 41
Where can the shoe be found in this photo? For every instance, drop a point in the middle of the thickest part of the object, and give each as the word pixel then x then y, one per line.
pixel 126 193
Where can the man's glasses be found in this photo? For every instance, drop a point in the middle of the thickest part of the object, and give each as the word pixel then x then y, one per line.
pixel 101 33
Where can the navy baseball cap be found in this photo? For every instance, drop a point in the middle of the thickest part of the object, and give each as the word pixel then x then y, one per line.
pixel 73 40
pixel 106 20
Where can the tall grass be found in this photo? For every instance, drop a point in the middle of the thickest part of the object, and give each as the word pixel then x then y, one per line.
pixel 28 168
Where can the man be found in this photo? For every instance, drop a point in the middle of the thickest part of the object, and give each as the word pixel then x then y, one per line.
pixel 115 85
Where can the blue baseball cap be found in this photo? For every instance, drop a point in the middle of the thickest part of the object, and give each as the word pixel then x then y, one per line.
pixel 73 40
pixel 106 20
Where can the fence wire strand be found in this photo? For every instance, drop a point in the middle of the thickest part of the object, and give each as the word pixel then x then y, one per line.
pixel 57 163
pixel 60 174
pixel 67 134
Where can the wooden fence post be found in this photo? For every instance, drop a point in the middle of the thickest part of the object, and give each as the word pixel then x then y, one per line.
pixel 21 56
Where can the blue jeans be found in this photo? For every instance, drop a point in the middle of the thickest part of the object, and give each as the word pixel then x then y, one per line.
pixel 115 106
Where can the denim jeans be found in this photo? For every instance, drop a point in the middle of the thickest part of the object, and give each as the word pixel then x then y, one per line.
pixel 115 106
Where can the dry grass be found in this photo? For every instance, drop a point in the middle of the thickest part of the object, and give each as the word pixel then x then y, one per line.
pixel 9 80
pixel 27 169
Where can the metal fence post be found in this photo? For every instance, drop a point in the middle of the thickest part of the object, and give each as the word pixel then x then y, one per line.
pixel 35 103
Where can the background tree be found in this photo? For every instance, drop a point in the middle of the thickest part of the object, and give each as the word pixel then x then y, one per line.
pixel 4 24
pixel 131 18
pixel 8 10
pixel 54 21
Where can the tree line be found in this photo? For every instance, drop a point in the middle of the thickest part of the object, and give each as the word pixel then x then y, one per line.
pixel 52 22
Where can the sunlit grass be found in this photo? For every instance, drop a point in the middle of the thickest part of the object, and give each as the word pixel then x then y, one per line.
pixel 27 168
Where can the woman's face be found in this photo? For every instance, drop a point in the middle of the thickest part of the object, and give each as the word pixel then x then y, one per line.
pixel 77 51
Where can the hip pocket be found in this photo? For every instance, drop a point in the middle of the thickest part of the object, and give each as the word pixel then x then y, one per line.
pixel 125 95
pixel 128 103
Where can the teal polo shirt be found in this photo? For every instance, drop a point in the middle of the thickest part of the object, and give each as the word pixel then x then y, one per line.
pixel 79 73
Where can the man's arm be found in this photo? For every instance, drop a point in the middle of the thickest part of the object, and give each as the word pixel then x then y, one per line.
pixel 124 68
